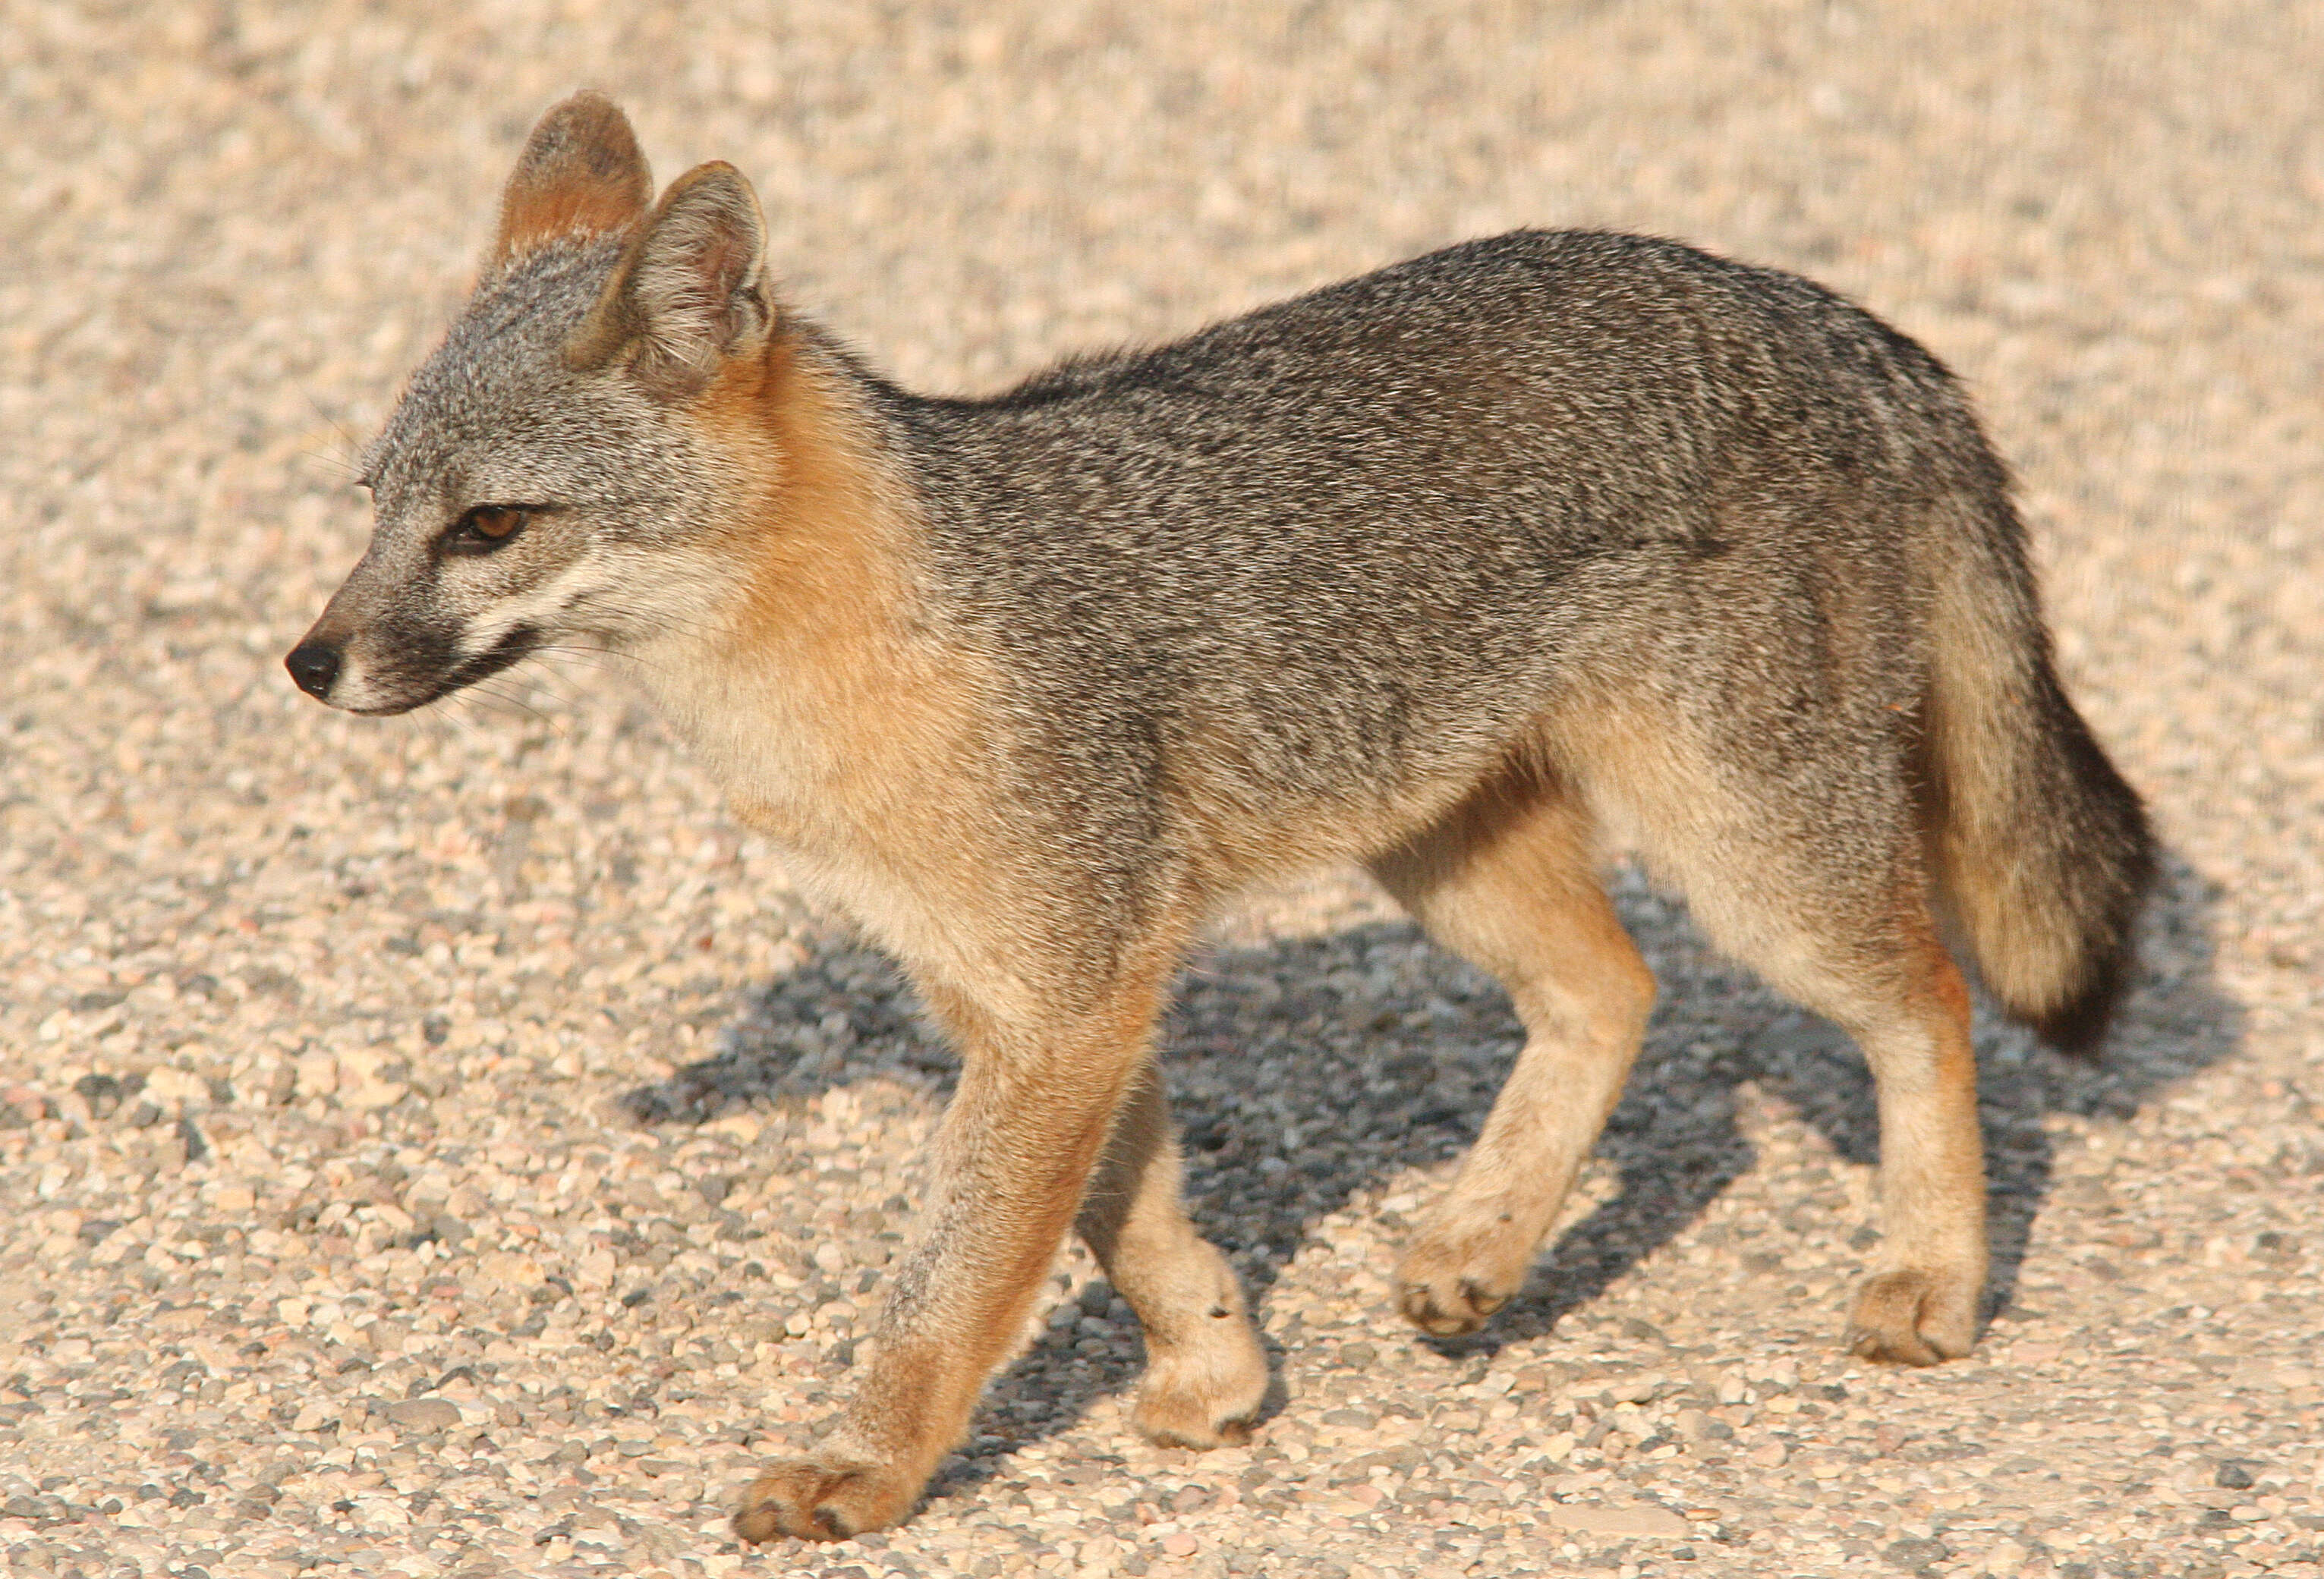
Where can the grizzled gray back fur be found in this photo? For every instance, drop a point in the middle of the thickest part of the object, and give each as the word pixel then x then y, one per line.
pixel 1372 530
pixel 1368 534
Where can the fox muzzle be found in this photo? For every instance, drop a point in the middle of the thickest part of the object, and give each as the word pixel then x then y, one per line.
pixel 314 665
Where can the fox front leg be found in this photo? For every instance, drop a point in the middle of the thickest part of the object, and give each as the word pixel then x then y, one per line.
pixel 1014 1154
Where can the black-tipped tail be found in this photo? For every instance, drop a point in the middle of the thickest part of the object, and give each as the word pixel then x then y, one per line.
pixel 2044 853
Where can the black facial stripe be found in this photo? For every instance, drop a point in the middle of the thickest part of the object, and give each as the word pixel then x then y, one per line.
pixel 410 655
pixel 418 663
pixel 514 644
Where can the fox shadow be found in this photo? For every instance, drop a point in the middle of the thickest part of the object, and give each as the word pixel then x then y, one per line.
pixel 1308 1070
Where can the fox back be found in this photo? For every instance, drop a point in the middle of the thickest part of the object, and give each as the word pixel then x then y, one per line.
pixel 1345 553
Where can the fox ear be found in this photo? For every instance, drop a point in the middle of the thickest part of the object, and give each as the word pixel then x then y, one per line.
pixel 580 173
pixel 691 291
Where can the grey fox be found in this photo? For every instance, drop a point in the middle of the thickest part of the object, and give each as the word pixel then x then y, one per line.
pixel 1463 570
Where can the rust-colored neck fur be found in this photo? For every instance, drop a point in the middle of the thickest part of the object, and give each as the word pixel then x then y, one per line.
pixel 845 718
pixel 826 542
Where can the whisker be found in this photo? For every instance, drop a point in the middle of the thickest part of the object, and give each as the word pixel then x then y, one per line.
pixel 597 658
pixel 339 463
pixel 488 690
pixel 601 659
pixel 439 720
pixel 337 426
pixel 350 446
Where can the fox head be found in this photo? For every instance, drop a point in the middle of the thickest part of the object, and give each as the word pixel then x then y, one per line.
pixel 547 479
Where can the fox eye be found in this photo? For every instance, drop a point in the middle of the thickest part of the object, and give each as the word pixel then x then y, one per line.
pixel 485 527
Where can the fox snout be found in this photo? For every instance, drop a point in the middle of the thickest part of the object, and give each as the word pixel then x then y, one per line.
pixel 390 667
pixel 314 665
pixel 322 663
pixel 337 662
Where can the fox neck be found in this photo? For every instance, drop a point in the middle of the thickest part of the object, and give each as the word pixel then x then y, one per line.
pixel 821 691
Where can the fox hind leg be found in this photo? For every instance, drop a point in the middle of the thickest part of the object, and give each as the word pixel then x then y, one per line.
pixel 1206 1375
pixel 1508 881
pixel 1921 1306
pixel 1859 947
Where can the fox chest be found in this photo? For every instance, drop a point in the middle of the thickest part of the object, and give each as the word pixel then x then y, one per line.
pixel 876 812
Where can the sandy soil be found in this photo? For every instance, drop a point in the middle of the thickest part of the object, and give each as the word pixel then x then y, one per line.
pixel 445 1146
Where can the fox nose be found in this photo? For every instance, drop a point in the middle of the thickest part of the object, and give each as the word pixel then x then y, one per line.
pixel 313 667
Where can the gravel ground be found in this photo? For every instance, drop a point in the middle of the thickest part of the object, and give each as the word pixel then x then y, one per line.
pixel 444 1146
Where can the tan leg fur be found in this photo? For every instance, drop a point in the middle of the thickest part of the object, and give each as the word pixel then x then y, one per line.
pixel 1507 881
pixel 1205 1372
pixel 1034 1112
pixel 1922 1305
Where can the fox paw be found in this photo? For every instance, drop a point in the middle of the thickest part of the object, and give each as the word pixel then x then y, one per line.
pixel 1913 1317
pixel 1208 1400
pixel 822 1498
pixel 1447 1290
